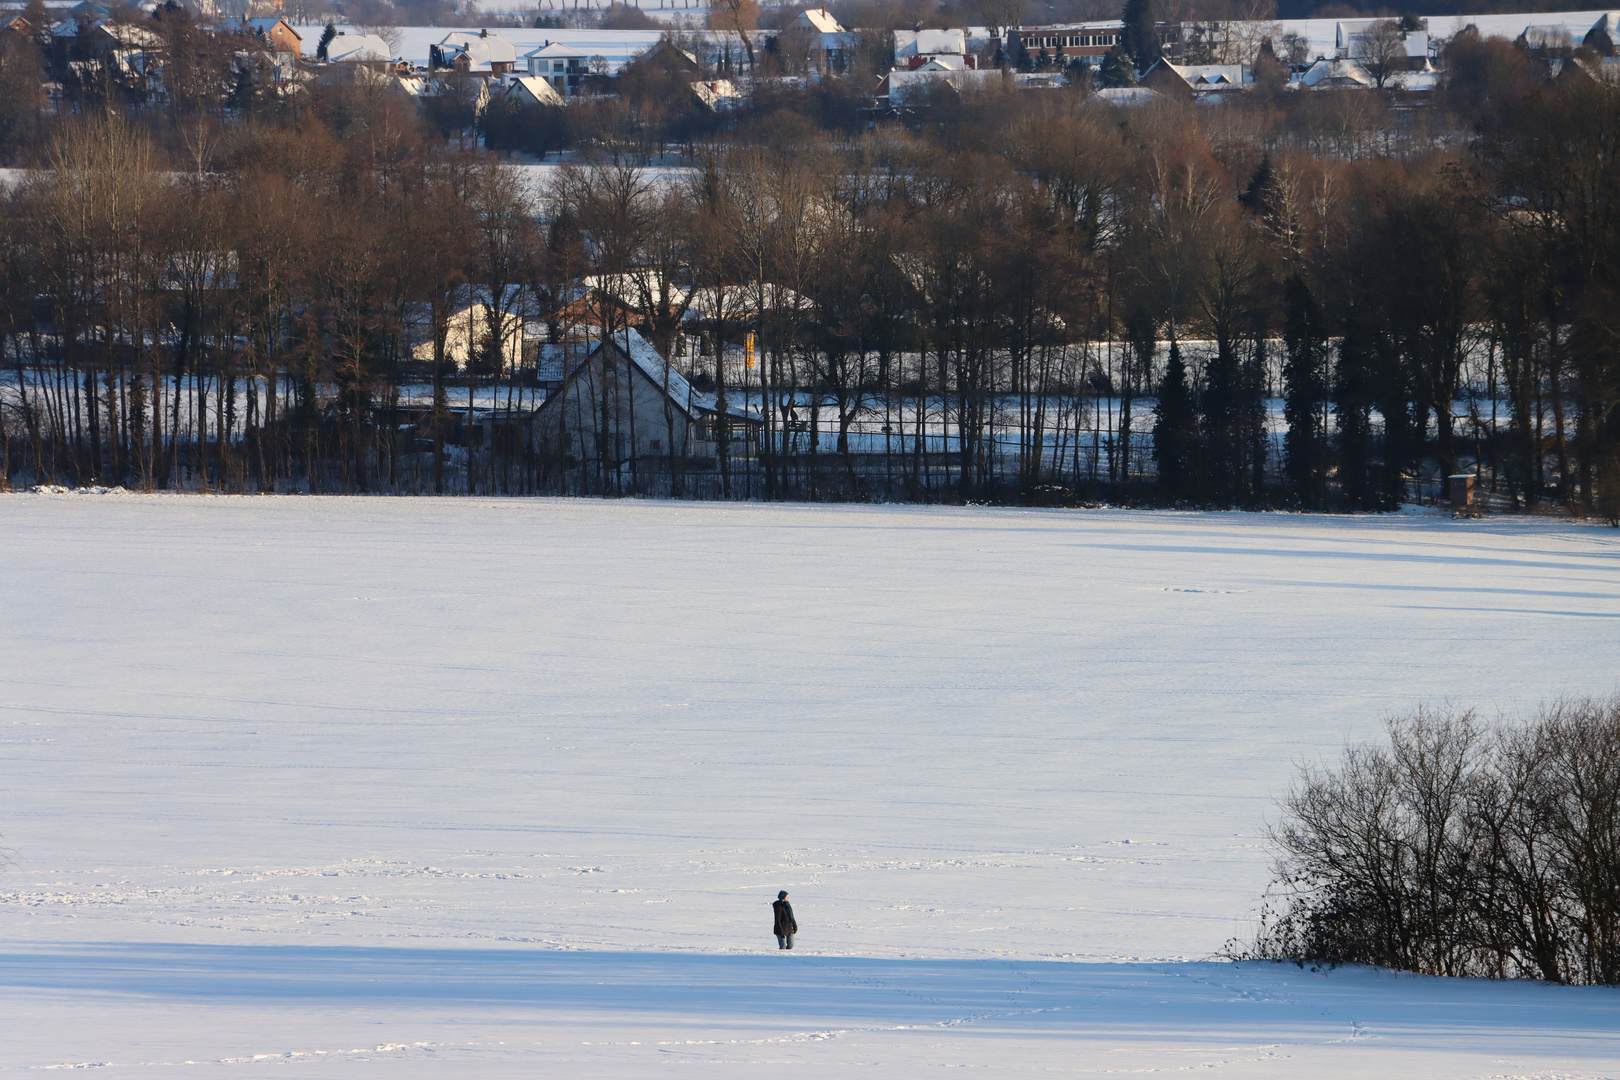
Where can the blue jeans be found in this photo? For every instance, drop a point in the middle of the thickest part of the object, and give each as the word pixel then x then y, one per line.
pixel 784 941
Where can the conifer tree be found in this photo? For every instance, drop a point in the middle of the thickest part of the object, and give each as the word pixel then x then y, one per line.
pixel 1253 416
pixel 1231 420
pixel 1404 423
pixel 327 37
pixel 1305 390
pixel 1116 69
pixel 1141 36
pixel 1175 427
pixel 1352 414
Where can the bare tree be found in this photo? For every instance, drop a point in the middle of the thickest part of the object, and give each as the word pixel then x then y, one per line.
pixel 1380 49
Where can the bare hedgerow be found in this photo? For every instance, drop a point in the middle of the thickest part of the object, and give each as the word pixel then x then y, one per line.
pixel 1457 847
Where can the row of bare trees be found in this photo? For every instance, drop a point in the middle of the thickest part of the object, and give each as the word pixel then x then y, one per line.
pixel 1023 294
pixel 1459 848
pixel 241 323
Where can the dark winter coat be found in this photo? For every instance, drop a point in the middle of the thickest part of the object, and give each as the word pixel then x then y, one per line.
pixel 784 918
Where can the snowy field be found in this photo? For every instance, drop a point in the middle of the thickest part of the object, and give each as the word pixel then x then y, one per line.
pixel 429 788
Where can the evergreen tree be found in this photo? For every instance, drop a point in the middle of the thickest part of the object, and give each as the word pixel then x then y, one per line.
pixel 1392 397
pixel 1252 417
pixel 327 37
pixel 1175 428
pixel 1141 36
pixel 1220 409
pixel 242 93
pixel 1305 389
pixel 1116 69
pixel 1352 415
pixel 38 18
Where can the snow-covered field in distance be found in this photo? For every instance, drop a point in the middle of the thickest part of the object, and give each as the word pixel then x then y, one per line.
pixel 506 786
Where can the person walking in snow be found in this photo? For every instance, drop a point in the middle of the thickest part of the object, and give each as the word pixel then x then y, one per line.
pixel 786 926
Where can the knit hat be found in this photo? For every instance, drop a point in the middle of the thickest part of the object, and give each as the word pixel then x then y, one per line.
pixel 782 895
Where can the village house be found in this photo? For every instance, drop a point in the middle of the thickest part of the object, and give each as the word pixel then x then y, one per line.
pixel 533 90
pixel 466 53
pixel 467 334
pixel 1352 37
pixel 563 67
pixel 367 49
pixel 718 94
pixel 276 33
pixel 901 89
pixel 830 45
pixel 1336 75
pixel 625 403
pixel 1195 80
pixel 947 48
pixel 1604 37
pixel 133 54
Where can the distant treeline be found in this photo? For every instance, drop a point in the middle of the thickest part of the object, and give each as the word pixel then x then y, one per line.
pixel 208 296
pixel 1459 848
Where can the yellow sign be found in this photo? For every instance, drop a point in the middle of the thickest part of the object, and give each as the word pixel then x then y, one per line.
pixel 748 350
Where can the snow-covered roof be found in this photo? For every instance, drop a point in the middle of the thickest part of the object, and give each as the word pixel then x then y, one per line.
pixel 651 363
pixel 1336 73
pixel 132 37
pixel 819 20
pixel 1210 76
pixel 483 48
pixel 663 374
pixel 909 43
pixel 1550 36
pixel 903 84
pixel 717 93
pixel 358 48
pixel 535 87
pixel 1412 81
pixel 554 49
pixel 1127 95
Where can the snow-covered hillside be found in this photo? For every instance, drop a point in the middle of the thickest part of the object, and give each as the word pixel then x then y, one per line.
pixel 518 779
